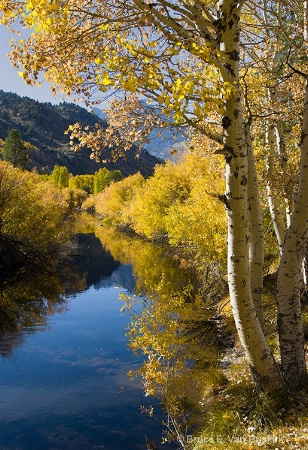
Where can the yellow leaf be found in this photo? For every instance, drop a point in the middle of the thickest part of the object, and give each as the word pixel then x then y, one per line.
pixel 106 80
pixel 104 27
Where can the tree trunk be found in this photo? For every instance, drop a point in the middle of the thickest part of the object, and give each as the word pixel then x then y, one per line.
pixel 283 160
pixel 256 237
pixel 274 207
pixel 263 366
pixel 290 325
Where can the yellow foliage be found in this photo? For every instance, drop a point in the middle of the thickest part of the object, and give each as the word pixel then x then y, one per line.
pixel 151 202
pixel 113 201
pixel 181 202
pixel 32 211
pixel 74 197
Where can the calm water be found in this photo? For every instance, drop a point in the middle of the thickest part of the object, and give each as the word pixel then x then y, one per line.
pixel 63 380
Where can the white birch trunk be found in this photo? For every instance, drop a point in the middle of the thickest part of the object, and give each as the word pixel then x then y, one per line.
pixel 305 21
pixel 290 325
pixel 276 213
pixel 256 236
pixel 263 366
pixel 283 159
pixel 274 135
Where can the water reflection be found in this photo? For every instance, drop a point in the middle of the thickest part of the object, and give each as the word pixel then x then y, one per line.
pixel 33 294
pixel 71 375
pixel 92 260
pixel 154 266
pixel 100 268
pixel 176 328
pixel 63 383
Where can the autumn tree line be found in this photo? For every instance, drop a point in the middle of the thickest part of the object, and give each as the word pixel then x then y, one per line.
pixel 168 207
pixel 36 210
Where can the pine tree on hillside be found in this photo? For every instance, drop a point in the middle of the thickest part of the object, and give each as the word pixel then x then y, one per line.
pixel 14 150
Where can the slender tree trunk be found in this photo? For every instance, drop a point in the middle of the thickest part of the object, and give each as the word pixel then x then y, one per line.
pixel 305 21
pixel 274 135
pixel 283 161
pixel 274 207
pixel 256 237
pixel 263 366
pixel 290 325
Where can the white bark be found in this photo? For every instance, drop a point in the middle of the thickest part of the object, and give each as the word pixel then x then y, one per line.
pixel 258 353
pixel 290 326
pixel 280 140
pixel 274 134
pixel 283 160
pixel 306 21
pixel 276 213
pixel 256 237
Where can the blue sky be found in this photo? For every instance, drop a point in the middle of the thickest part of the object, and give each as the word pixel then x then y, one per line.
pixel 11 82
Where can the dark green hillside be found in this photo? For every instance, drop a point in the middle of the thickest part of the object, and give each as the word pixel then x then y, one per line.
pixel 43 125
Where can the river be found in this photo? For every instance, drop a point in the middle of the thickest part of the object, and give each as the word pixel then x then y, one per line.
pixel 64 363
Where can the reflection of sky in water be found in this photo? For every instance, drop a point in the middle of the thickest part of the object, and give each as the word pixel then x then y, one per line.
pixel 62 388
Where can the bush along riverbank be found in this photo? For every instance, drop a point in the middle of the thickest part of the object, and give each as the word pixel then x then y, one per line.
pixel 34 220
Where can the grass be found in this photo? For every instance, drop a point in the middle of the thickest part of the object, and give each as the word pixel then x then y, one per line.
pixel 237 416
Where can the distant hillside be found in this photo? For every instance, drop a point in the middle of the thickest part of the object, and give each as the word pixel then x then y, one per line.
pixel 43 125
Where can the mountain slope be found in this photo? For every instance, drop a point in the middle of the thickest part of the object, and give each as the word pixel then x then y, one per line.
pixel 43 125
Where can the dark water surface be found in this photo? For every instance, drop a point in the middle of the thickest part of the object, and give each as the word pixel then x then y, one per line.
pixel 63 380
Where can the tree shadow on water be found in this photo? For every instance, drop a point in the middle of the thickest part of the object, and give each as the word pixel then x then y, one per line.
pixel 30 293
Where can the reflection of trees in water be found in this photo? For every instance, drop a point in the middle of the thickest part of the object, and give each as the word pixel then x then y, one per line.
pixel 34 291
pixel 176 327
pixel 150 262
pixel 30 295
pixel 93 260
pixel 123 277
